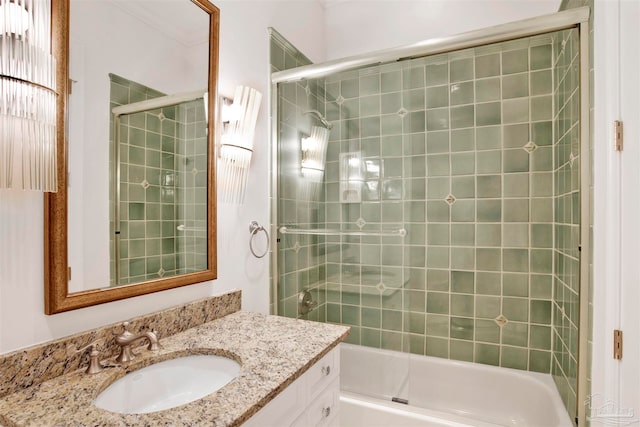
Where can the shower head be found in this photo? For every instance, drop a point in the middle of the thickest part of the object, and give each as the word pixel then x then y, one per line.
pixel 320 117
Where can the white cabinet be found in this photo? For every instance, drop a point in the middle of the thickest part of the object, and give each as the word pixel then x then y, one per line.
pixel 311 400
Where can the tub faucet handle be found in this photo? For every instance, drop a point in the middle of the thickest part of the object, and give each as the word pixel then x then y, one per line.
pixel 306 302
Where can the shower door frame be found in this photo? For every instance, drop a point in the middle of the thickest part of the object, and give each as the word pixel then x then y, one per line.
pixel 577 18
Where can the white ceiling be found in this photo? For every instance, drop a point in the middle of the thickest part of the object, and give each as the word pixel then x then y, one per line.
pixel 181 20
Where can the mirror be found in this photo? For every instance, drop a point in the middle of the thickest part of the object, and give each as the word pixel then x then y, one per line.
pixel 135 208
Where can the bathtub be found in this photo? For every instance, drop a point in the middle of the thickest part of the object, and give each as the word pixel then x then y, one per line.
pixel 441 392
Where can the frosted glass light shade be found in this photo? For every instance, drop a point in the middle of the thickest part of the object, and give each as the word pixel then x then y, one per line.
pixel 27 97
pixel 314 151
pixel 236 143
pixel 16 19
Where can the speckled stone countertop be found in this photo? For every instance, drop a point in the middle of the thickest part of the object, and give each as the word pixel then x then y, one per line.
pixel 273 351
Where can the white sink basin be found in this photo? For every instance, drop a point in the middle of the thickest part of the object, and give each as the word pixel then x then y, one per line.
pixel 168 384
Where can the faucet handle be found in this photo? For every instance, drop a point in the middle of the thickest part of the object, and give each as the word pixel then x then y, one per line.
pixel 94 364
pixel 153 343
pixel 72 350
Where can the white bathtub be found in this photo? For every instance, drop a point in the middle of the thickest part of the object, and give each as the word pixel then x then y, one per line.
pixel 442 392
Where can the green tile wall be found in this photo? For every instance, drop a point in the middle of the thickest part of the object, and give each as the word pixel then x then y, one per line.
pixel 470 152
pixel 162 185
pixel 301 259
pixel 566 216
pixel 457 149
pixel 191 189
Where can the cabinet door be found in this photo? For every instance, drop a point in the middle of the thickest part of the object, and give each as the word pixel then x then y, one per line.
pixel 311 400
pixel 284 409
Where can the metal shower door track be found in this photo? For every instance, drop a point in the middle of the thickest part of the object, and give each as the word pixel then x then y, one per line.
pixel 499 33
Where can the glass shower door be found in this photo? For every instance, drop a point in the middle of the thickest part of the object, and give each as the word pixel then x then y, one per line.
pixel 333 241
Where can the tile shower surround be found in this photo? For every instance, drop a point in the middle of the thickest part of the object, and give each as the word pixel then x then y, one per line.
pixel 163 179
pixel 458 150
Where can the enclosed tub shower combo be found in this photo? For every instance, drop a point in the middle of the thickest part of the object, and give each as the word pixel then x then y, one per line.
pixel 435 198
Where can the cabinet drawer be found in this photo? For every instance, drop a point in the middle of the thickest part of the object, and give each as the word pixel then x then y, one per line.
pixel 322 373
pixel 324 408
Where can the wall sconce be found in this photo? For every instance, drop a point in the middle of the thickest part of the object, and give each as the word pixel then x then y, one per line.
pixel 314 149
pixel 239 117
pixel 27 97
pixel 351 177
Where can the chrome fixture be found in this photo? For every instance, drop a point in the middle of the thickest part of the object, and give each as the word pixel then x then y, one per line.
pixel 94 364
pixel 512 30
pixel 183 227
pixel 401 232
pixel 306 304
pixel 255 228
pixel 127 339
pixel 320 117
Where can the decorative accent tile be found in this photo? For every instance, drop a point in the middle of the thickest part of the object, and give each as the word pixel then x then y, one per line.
pixel 161 116
pixel 161 272
pixel 450 199
pixel 501 320
pixel 296 247
pixel 530 147
pixel 381 287
pixel 360 223
pixel 339 100
pixel 402 112
pixel 194 171
pixel 144 184
pixel 572 159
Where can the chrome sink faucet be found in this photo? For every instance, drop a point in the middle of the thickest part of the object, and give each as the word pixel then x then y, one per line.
pixel 126 339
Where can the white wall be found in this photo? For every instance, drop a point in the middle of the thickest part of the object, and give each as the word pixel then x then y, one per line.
pixel 244 59
pixel 364 25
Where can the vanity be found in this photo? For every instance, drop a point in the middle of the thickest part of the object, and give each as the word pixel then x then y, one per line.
pixel 147 140
pixel 288 376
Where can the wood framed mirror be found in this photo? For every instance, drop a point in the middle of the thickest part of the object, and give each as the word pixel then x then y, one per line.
pixel 135 211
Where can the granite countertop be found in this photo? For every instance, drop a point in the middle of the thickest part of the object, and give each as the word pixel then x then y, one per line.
pixel 273 351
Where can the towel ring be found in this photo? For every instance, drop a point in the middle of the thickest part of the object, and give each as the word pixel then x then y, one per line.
pixel 254 228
